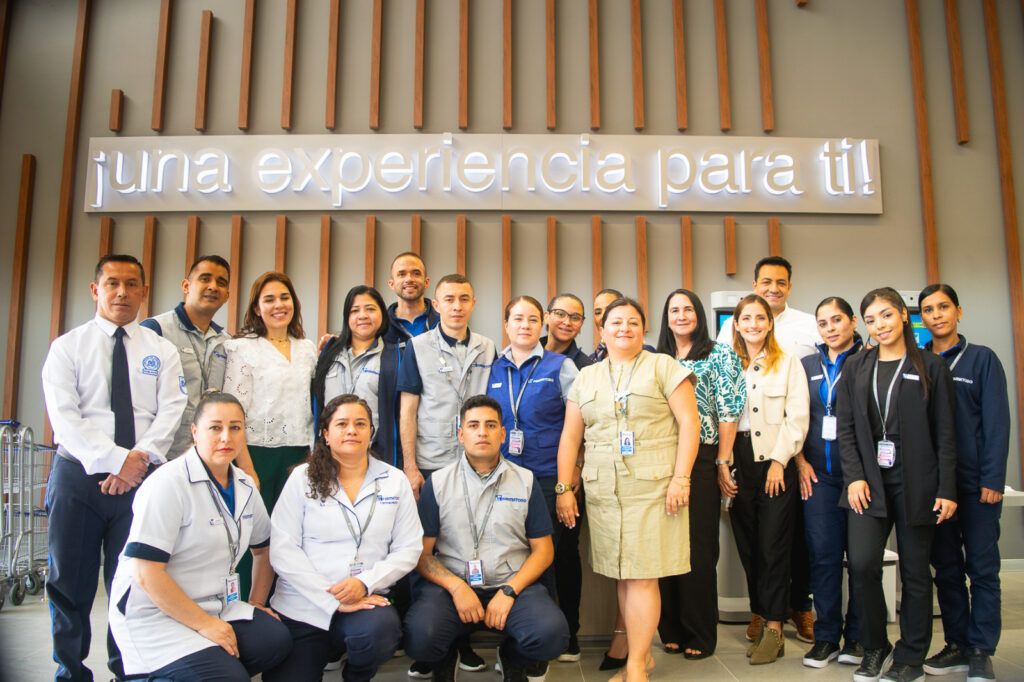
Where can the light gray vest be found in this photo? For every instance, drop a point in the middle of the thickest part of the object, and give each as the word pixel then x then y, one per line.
pixel 504 546
pixel 447 383
pixel 359 375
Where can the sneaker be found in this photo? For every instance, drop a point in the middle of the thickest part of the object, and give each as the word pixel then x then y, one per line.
pixel 770 648
pixel 572 653
pixel 420 670
pixel 470 660
pixel 821 654
pixel 804 622
pixel 332 665
pixel 980 667
pixel 852 653
pixel 535 672
pixel 508 673
pixel 952 659
pixel 445 671
pixel 901 672
pixel 871 666
pixel 755 627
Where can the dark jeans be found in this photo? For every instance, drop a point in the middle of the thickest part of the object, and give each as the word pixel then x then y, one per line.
pixel 825 532
pixel 82 522
pixel 689 602
pixel 263 642
pixel 369 637
pixel 535 629
pixel 968 546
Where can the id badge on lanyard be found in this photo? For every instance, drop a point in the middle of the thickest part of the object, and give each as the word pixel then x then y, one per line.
pixel 886 454
pixel 516 439
pixel 475 572
pixel 829 427
pixel 232 589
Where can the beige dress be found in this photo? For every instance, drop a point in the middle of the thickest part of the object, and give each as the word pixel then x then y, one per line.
pixel 631 536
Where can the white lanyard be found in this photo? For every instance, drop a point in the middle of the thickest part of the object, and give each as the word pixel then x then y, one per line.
pixel 621 398
pixel 478 535
pixel 829 388
pixel 358 539
pixel 959 355
pixel 514 403
pixel 888 393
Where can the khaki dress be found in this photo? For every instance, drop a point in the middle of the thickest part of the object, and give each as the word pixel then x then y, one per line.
pixel 631 536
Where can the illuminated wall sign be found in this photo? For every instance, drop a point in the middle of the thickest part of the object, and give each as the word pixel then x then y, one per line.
pixel 483 172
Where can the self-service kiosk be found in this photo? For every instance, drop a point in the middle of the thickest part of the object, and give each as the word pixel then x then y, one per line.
pixel 921 333
pixel 723 303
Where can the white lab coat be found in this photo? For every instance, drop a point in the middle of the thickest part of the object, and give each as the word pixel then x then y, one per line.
pixel 313 548
pixel 176 520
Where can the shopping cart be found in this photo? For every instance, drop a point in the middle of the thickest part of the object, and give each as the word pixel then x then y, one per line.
pixel 24 467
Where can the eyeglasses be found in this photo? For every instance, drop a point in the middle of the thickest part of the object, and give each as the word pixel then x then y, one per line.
pixel 560 314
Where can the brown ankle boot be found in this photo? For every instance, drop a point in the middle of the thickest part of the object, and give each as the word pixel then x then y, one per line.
pixel 771 647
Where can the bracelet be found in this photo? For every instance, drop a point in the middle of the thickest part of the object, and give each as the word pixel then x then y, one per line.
pixel 681 476
pixel 579 464
pixel 720 462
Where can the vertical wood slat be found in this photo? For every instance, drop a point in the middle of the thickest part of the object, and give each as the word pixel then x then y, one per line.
pixel 679 45
pixel 924 152
pixel 370 250
pixel 593 15
pixel 106 235
pixel 642 279
pixel 549 71
pixel 245 78
pixel 552 252
pixel 163 33
pixel 764 66
pixel 722 58
pixel 281 243
pixel 203 69
pixel 596 257
pixel 234 285
pixel 331 90
pixel 730 245
pixel 1004 153
pixel 375 44
pixel 415 233
pixel 460 244
pixel 686 240
pixel 417 66
pixel 506 65
pixel 956 72
pixel 191 241
pixel 19 272
pixel 116 109
pixel 5 32
pixel 774 237
pixel 324 283
pixel 463 64
pixel 148 249
pixel 289 64
pixel 506 268
pixel 801 3
pixel 636 35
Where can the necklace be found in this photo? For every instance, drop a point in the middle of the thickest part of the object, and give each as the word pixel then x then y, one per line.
pixel 280 342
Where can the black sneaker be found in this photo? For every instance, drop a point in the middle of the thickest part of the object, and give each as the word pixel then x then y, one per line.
pixel 852 653
pixel 470 660
pixel 901 672
pixel 509 673
pixel 872 664
pixel 572 653
pixel 980 667
pixel 821 654
pixel 952 659
pixel 445 671
pixel 420 670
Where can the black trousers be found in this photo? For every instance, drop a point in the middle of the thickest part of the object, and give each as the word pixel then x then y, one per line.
pixel 763 527
pixel 867 536
pixel 569 568
pixel 689 602
pixel 800 564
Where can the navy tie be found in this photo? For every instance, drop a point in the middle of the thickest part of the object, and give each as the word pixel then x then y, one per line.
pixel 121 394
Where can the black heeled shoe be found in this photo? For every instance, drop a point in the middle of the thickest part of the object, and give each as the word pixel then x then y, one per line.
pixel 610 662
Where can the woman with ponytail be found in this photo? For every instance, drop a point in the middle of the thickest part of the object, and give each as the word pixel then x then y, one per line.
pixel 898 449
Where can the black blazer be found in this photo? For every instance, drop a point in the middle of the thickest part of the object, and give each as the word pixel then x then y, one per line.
pixel 927 435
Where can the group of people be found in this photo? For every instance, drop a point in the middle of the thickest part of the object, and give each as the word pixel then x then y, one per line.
pixel 265 505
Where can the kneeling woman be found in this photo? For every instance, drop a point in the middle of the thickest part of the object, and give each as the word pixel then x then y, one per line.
pixel 175 608
pixel 345 530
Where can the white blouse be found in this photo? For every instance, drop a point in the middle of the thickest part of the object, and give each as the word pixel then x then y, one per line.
pixel 273 390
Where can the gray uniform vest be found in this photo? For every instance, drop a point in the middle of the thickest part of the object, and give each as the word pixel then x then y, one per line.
pixel 447 383
pixel 359 374
pixel 504 546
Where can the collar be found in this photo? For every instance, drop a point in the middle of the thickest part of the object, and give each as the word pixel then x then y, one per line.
pixel 951 352
pixel 451 341
pixel 209 475
pixel 109 327
pixel 571 351
pixel 782 314
pixel 377 347
pixel 375 470
pixel 428 310
pixel 493 475
pixel 187 323
pixel 841 358
pixel 537 352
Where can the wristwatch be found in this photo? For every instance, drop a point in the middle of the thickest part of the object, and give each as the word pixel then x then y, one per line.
pixel 509 591
pixel 564 488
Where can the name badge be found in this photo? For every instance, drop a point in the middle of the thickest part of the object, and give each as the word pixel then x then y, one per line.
pixel 445 369
pixel 515 441
pixel 626 445
pixel 232 589
pixel 886 454
pixel 829 425
pixel 911 377
pixel 355 568
pixel 475 572
pixel 817 377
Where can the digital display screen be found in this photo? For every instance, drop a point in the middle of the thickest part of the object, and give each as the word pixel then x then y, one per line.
pixel 921 332
pixel 721 316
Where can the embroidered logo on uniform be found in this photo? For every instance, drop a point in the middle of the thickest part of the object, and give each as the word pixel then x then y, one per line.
pixel 390 499
pixel 497 385
pixel 181 384
pixel 963 380
pixel 508 498
pixel 151 365
pixel 542 380
pixel 817 377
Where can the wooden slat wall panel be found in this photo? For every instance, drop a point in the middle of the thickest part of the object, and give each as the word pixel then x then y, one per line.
pixel 463 64
pixel 722 58
pixel 764 66
pixel 417 66
pixel 163 33
pixel 924 151
pixel 415 233
pixel 594 63
pixel 642 278
pixel 596 257
pixel 552 256
pixel 370 250
pixel 245 79
pixel 679 45
pixel 281 244
pixel 375 45
pixel 506 268
pixel 636 35
pixel 289 64
pixel 460 244
pixel 956 73
pixel 774 237
pixel 191 241
pixel 549 54
pixel 116 110
pixel 333 28
pixel 801 3
pixel 19 272
pixel 5 30
pixel 148 249
pixel 730 245
pixel 506 65
pixel 203 69
pixel 234 286
pixel 106 235
pixel 324 284
pixel 686 240
pixel 1011 233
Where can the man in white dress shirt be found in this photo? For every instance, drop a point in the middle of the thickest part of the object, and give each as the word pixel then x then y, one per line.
pixel 115 394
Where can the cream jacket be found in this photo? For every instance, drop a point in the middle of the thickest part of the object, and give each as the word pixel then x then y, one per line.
pixel 778 407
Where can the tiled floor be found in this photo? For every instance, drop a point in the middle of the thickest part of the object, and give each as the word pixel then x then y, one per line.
pixel 25 651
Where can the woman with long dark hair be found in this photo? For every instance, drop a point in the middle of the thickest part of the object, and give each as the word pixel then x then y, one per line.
pixel 898 448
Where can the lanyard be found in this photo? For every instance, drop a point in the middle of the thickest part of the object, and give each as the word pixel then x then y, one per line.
pixel 830 388
pixel 478 535
pixel 233 543
pixel 959 355
pixel 459 390
pixel 621 398
pixel 369 517
pixel 349 366
pixel 201 360
pixel 888 393
pixel 514 403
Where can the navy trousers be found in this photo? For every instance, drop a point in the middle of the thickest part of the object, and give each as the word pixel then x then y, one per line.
pixel 825 532
pixel 83 522
pixel 547 487
pixel 536 629
pixel 967 546
pixel 263 642
pixel 369 637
